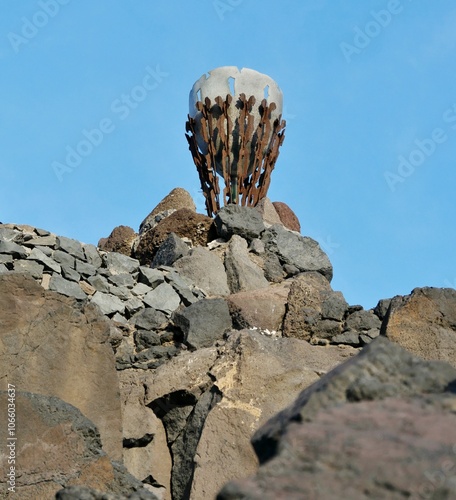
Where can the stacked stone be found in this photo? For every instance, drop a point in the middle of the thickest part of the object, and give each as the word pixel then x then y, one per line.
pixel 136 297
pixel 180 294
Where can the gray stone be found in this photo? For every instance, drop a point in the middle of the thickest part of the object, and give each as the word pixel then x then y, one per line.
pixel 8 234
pixel 243 221
pixel 70 274
pixel 108 304
pixel 117 263
pixel 150 319
pixel 150 277
pixel 29 266
pixel 145 339
pixel 182 288
pixel 242 273
pixel 349 337
pixel 119 318
pixel 363 320
pixel 382 308
pixel 204 322
pixel 205 270
pixel 100 283
pixel 122 280
pixel 141 289
pixel 65 287
pixel 133 305
pixel 122 292
pixel 46 241
pixel 46 250
pixel 85 269
pixel 42 232
pixel 273 270
pixel 11 248
pixel 3 269
pixel 158 351
pixel 169 251
pixel 5 259
pixel 300 251
pixel 92 255
pixel 163 298
pixel 334 306
pixel 257 246
pixel 38 255
pixel 64 259
pixel 73 247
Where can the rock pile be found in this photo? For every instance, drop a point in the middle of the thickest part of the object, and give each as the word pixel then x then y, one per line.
pixel 180 341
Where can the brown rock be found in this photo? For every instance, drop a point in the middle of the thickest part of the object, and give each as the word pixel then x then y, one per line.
pixel 287 216
pixel 57 446
pixel 178 198
pixel 304 305
pixel 424 323
pixel 53 345
pixel 185 223
pixel 120 240
pixel 264 308
pixel 255 376
pixel 374 449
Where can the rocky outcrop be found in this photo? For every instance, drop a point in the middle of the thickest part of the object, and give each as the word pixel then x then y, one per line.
pixel 53 345
pixel 232 321
pixel 209 403
pixel 57 446
pixel 424 323
pixel 337 433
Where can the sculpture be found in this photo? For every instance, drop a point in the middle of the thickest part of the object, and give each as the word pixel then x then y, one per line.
pixel 235 129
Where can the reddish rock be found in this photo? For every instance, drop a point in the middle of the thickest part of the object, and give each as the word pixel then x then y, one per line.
pixel 185 223
pixel 424 323
pixel 120 240
pixel 287 216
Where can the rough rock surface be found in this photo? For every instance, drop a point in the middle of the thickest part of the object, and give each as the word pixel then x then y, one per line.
pixel 382 403
pixel 242 221
pixel 178 198
pixel 242 273
pixel 287 217
pixel 58 446
pixel 51 344
pixel 424 323
pixel 120 240
pixel 263 309
pixel 184 223
pixel 300 251
pixel 169 251
pixel 209 402
pixel 204 269
pixel 268 212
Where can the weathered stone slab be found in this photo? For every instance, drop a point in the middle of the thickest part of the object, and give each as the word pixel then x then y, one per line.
pixel 39 256
pixel 11 248
pixel 108 304
pixel 163 298
pixel 29 266
pixel 73 247
pixel 65 287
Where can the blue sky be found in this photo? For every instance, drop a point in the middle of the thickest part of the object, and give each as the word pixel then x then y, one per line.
pixel 369 159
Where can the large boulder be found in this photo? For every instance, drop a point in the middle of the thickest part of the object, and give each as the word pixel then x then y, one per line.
pixel 302 252
pixel 246 222
pixel 210 403
pixel 376 426
pixel 424 323
pixel 58 446
pixel 205 270
pixel 53 345
pixel 242 273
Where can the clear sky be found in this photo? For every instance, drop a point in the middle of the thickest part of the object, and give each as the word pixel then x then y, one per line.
pixel 369 159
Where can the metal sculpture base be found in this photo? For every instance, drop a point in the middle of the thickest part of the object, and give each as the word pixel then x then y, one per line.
pixel 242 154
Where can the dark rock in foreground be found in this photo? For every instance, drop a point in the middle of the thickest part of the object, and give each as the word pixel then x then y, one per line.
pixel 378 426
